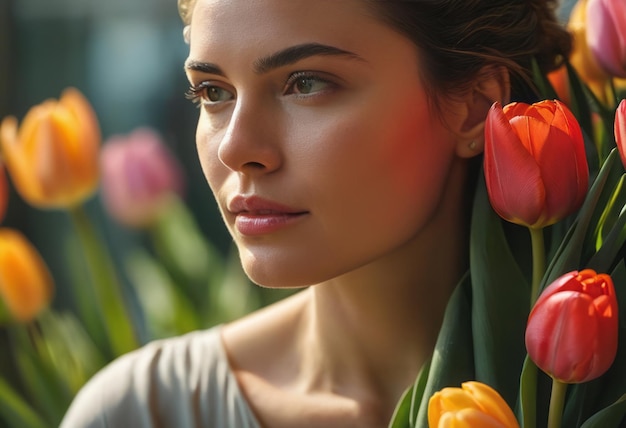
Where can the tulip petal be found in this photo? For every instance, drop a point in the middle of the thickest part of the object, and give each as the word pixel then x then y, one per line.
pixel 606 36
pixel 491 403
pixel 25 282
pixel 513 177
pixel 88 141
pixel 16 163
pixel 620 130
pixel 572 329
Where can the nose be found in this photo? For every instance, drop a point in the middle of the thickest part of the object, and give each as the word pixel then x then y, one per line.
pixel 249 144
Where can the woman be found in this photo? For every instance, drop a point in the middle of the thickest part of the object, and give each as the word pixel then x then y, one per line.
pixel 339 139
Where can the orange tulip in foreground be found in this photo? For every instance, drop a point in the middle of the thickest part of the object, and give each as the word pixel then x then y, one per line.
pixel 473 405
pixel 25 282
pixel 572 329
pixel 53 157
pixel 620 130
pixel 535 163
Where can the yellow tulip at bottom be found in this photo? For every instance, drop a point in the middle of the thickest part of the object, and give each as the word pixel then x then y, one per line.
pixel 25 282
pixel 473 405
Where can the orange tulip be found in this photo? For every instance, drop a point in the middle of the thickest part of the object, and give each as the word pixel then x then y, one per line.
pixel 620 130
pixel 25 282
pixel 572 329
pixel 473 405
pixel 53 157
pixel 559 80
pixel 535 162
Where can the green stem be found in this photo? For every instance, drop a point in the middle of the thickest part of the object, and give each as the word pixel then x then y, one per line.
pixel 106 285
pixel 539 262
pixel 557 400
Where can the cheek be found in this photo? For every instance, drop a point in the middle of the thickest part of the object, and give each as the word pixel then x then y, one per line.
pixel 207 144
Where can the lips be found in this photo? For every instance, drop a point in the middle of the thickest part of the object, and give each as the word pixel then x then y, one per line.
pixel 257 216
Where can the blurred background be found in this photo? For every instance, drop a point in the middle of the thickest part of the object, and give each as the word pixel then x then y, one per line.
pixel 126 57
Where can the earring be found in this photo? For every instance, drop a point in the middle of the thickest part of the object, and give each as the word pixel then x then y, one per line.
pixel 472 145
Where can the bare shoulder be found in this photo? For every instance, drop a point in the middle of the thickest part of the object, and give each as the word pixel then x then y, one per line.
pixel 255 342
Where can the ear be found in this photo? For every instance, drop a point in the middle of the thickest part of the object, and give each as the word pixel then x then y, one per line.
pixel 491 85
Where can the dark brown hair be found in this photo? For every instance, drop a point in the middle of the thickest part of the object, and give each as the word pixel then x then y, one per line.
pixel 459 38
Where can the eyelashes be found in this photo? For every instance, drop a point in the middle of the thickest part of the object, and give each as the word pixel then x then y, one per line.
pixel 301 84
pixel 208 93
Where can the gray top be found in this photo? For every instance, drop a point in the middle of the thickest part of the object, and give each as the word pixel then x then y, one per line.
pixel 180 382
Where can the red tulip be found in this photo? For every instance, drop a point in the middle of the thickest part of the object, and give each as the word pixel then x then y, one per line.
pixel 620 130
pixel 606 34
pixel 572 329
pixel 535 162
pixel 139 175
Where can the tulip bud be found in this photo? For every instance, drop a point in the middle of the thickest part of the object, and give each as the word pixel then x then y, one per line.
pixel 139 175
pixel 606 34
pixel 25 282
pixel 53 157
pixel 620 130
pixel 535 162
pixel 572 329
pixel 473 405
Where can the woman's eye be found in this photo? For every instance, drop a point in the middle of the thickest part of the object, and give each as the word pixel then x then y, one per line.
pixel 306 84
pixel 208 93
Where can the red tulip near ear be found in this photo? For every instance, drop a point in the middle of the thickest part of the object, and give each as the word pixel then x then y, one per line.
pixel 535 162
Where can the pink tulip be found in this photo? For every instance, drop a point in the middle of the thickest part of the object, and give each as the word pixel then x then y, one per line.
pixel 606 34
pixel 139 175
pixel 620 130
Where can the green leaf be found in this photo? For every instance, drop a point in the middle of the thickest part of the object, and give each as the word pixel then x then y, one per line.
pixel 180 245
pixel 609 417
pixel 15 410
pixel 453 361
pixel 500 302
pixel 527 412
pixel 402 414
pixel 167 309
pixel 541 81
pixel 114 310
pixel 579 104
pixel 419 388
pixel 405 414
pixel 569 256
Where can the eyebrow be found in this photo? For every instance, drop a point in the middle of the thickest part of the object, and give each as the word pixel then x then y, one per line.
pixel 278 59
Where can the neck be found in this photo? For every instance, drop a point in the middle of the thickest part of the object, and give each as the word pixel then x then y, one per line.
pixel 372 330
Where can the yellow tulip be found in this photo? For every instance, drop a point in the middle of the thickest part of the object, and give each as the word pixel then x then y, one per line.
pixel 473 405
pixel 582 59
pixel 53 157
pixel 25 282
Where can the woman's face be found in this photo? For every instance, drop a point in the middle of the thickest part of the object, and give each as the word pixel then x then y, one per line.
pixel 315 135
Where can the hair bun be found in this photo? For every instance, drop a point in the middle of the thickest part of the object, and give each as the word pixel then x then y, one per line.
pixel 554 43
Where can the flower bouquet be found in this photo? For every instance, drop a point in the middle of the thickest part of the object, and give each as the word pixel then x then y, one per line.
pixel 535 334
